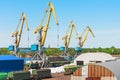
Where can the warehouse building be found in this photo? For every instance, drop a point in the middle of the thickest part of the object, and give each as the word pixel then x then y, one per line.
pixel 87 58
pixel 101 71
pixel 10 63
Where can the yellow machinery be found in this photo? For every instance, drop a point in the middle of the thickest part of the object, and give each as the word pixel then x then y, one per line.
pixel 82 40
pixel 18 33
pixel 42 31
pixel 67 38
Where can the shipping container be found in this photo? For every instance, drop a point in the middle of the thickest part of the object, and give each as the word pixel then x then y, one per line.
pixel 78 49
pixel 10 63
pixel 3 76
pixel 34 47
pixel 43 73
pixel 62 48
pixel 19 75
pixel 11 47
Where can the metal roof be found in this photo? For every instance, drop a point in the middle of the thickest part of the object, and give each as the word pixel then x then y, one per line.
pixel 100 56
pixel 113 66
pixel 9 57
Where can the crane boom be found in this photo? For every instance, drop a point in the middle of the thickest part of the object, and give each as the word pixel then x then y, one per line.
pixel 81 42
pixel 54 12
pixel 24 19
pixel 19 35
pixel 68 37
pixel 16 31
pixel 40 27
pixel 91 31
pixel 45 30
pixel 51 10
pixel 73 24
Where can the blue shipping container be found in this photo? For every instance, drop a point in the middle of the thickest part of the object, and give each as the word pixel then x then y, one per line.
pixel 11 47
pixel 62 48
pixel 78 49
pixel 10 63
pixel 34 47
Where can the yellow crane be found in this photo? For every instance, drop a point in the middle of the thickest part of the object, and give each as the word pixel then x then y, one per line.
pixel 18 33
pixel 67 37
pixel 49 9
pixel 82 40
pixel 42 31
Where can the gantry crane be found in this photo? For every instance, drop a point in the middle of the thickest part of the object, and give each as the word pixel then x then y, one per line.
pixel 18 33
pixel 83 40
pixel 42 31
pixel 67 38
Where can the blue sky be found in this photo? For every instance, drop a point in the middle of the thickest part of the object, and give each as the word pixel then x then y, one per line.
pixel 103 16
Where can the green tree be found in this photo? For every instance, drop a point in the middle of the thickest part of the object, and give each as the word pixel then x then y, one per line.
pixel 4 51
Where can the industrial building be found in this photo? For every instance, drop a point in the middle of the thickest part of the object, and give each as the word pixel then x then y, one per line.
pixel 10 63
pixel 86 58
pixel 100 71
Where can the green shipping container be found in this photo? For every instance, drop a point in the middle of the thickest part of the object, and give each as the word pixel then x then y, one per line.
pixel 19 75
pixel 3 76
pixel 70 69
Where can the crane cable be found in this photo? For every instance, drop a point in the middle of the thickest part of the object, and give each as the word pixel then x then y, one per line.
pixel 57 37
pixel 28 39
